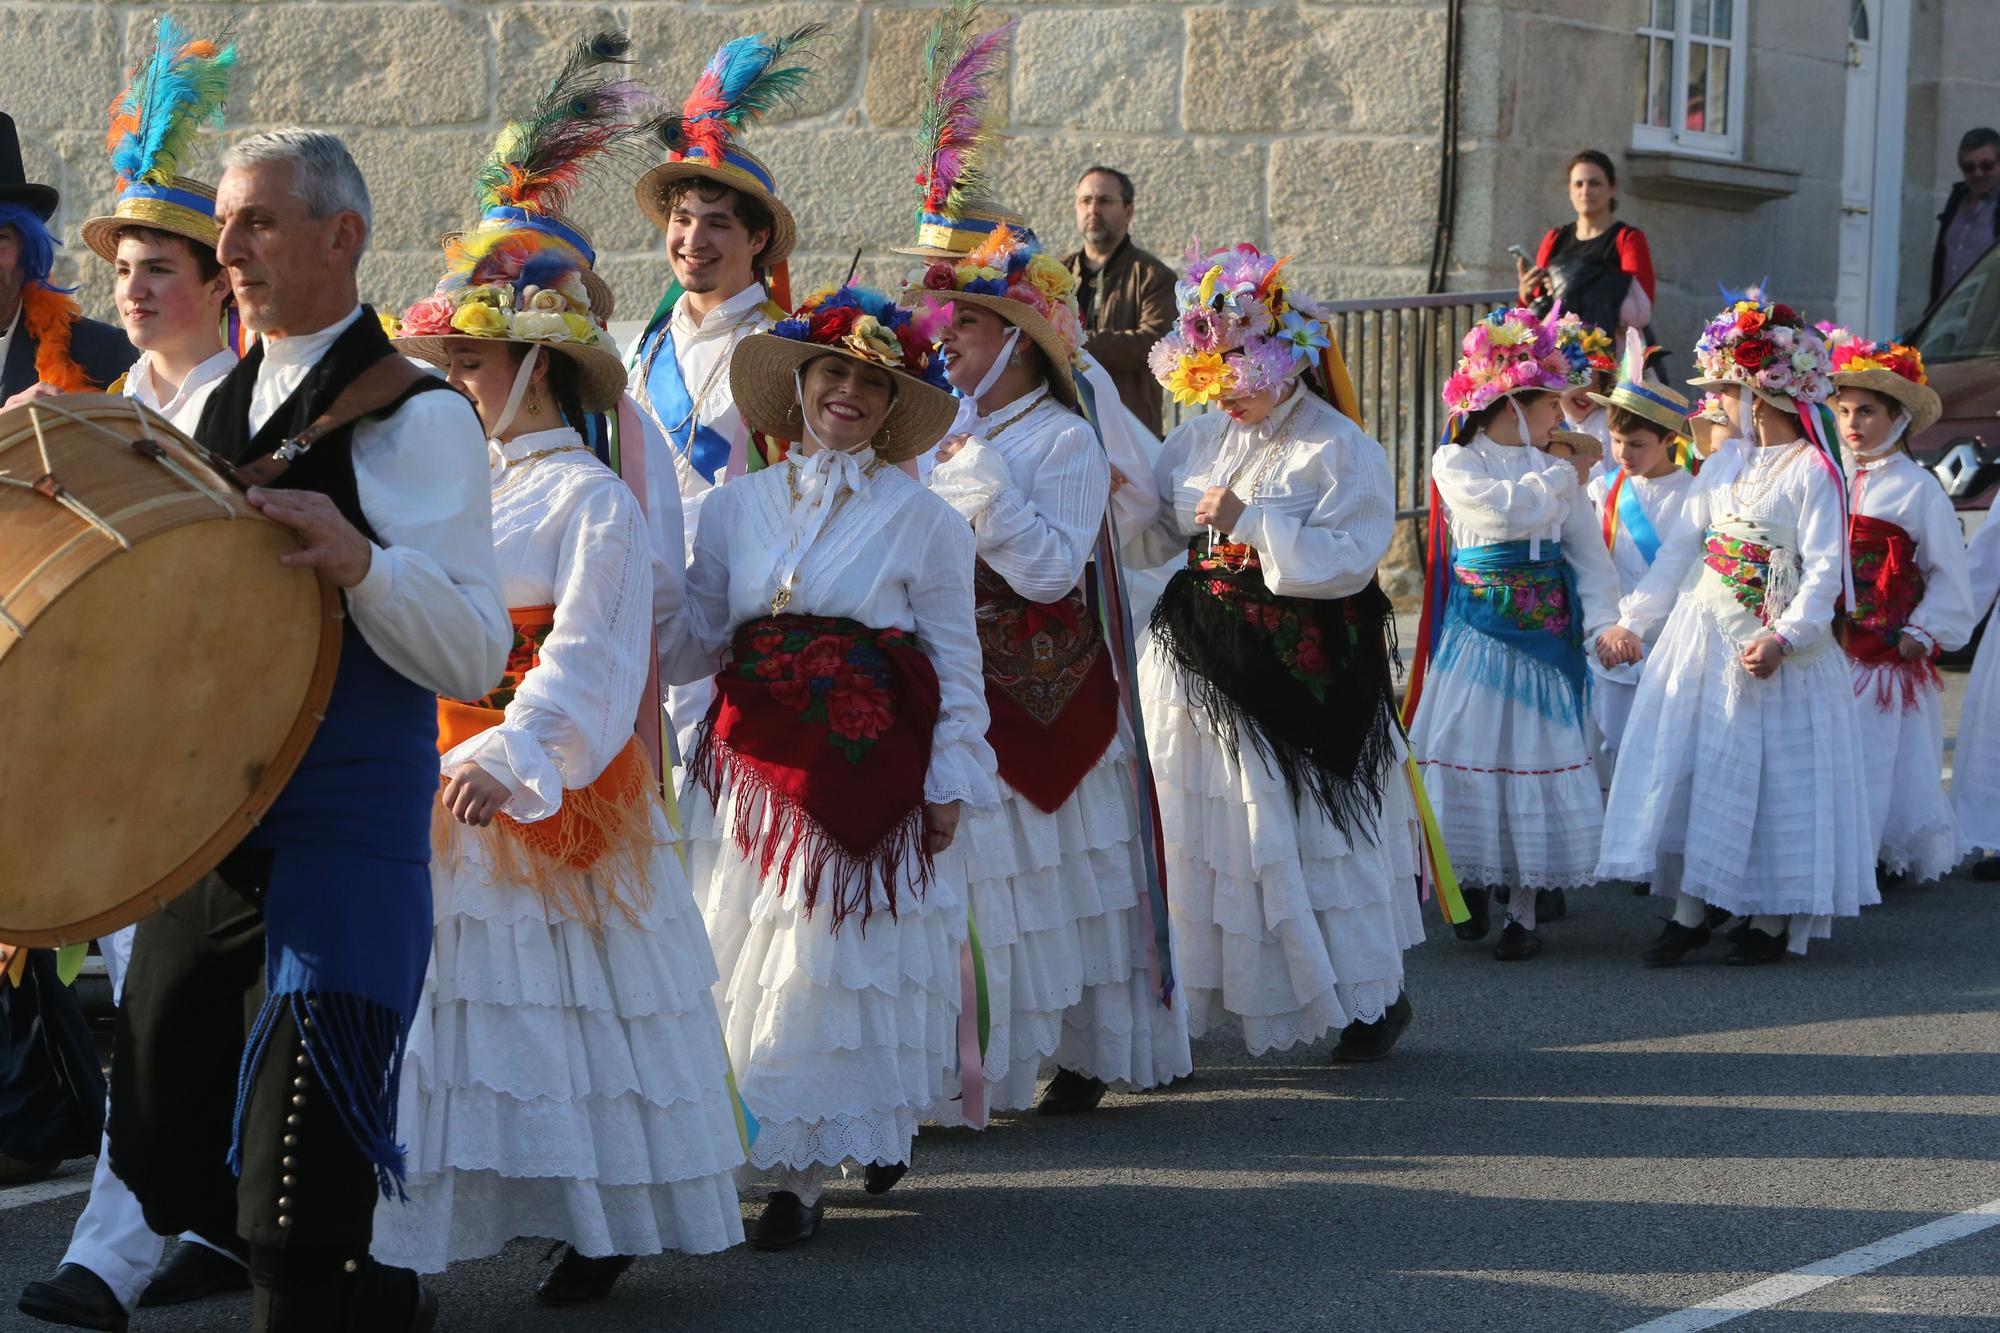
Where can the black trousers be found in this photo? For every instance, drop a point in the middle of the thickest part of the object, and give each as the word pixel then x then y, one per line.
pixel 51 1092
pixel 305 1200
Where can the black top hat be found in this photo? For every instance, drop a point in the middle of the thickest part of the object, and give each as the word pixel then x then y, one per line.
pixel 15 188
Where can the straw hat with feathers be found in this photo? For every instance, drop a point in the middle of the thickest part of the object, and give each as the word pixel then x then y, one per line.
pixel 1664 407
pixel 1011 276
pixel 956 132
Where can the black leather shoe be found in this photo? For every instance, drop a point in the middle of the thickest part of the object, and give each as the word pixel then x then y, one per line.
pixel 786 1222
pixel 25 1171
pixel 1987 871
pixel 1641 890
pixel 577 1278
pixel 193 1271
pixel 1755 946
pixel 1517 943
pixel 881 1177
pixel 1675 943
pixel 1071 1093
pixel 75 1298
pixel 1550 905
pixel 1362 1042
pixel 1480 920
pixel 425 1317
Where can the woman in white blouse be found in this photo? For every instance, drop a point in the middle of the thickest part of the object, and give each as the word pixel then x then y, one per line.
pixel 1289 824
pixel 831 598
pixel 566 1076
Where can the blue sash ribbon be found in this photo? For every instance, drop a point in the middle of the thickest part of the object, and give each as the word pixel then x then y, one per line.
pixel 1632 517
pixel 1516 625
pixel 673 405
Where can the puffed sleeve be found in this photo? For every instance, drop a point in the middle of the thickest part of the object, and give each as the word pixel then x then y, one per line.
pixel 1334 549
pixel 1523 508
pixel 1647 606
pixel 1130 448
pixel 691 648
pixel 1590 560
pixel 573 713
pixel 1808 620
pixel 1036 532
pixel 1944 617
pixel 940 591
pixel 1164 539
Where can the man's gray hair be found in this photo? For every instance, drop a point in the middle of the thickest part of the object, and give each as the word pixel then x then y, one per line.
pixel 324 177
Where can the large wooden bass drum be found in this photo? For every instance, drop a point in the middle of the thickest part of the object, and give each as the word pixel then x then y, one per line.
pixel 161 674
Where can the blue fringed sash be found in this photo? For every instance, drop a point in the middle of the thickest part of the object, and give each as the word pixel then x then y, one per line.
pixel 1516 626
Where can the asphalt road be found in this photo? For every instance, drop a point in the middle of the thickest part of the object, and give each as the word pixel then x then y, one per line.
pixel 1573 1143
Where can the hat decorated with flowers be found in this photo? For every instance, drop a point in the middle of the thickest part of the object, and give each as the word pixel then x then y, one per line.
pixel 175 89
pixel 1587 348
pixel 1710 409
pixel 854 322
pixel 1894 370
pixel 519 276
pixel 1012 276
pixel 1507 352
pixel 744 79
pixel 1241 328
pixel 1765 346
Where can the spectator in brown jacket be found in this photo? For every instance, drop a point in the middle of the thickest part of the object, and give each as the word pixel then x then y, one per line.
pixel 1126 296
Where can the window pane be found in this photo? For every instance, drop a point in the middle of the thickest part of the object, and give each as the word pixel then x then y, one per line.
pixel 1697 92
pixel 1718 90
pixel 1698 25
pixel 1641 83
pixel 1663 15
pixel 1663 82
pixel 1723 24
pixel 1857 22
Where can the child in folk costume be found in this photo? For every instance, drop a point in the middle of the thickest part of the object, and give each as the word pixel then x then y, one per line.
pixel 1639 502
pixel 1497 699
pixel 1289 822
pixel 1740 778
pixel 1912 598
pixel 835 593
pixel 1975 764
pixel 566 1076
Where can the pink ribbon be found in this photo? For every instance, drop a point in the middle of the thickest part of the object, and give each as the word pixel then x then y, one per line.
pixel 971 1065
pixel 632 467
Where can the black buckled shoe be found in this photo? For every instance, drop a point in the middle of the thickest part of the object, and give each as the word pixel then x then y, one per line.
pixel 1987 870
pixel 1071 1093
pixel 1675 943
pixel 1550 905
pixel 786 1222
pixel 1755 946
pixel 1517 943
pixel 1480 918
pixel 75 1298
pixel 1361 1042
pixel 578 1278
pixel 192 1272
pixel 881 1177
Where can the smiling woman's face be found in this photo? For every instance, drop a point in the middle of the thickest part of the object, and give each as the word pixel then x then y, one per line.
pixel 846 401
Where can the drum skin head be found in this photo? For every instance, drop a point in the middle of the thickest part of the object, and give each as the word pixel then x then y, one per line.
pixel 161 696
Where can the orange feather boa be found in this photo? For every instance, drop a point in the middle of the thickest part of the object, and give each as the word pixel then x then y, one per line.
pixel 47 316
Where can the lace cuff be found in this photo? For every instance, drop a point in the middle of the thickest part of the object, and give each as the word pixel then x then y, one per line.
pixel 961 771
pixel 972 479
pixel 522 763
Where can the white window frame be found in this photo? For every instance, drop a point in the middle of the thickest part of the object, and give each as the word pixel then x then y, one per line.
pixel 1676 137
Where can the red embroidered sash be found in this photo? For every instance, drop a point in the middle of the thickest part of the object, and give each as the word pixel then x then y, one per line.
pixel 828 725
pixel 1887 587
pixel 1049 688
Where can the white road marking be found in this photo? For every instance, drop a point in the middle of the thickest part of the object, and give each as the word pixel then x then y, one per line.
pixel 1801 1281
pixel 74 1180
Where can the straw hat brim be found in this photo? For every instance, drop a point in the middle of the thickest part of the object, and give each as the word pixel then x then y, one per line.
pixel 101 233
pixel 600 371
pixel 1062 378
pixel 651 194
pixel 1657 413
pixel 760 380
pixel 1919 400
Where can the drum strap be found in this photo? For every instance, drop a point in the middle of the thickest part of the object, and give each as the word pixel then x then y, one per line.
pixel 375 390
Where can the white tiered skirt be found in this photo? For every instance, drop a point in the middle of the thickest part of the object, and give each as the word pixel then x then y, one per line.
pixel 1515 792
pixel 1283 928
pixel 562 1083
pixel 840 1039
pixel 1975 762
pixel 1056 898
pixel 1915 831
pixel 1745 793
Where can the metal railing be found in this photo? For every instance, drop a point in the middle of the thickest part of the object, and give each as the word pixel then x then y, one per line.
pixel 1399 351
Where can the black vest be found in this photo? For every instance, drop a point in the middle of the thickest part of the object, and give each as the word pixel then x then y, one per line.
pixel 327 467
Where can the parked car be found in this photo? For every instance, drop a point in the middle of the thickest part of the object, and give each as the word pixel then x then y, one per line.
pixel 1960 340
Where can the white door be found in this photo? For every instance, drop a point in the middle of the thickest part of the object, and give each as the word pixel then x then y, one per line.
pixel 1872 165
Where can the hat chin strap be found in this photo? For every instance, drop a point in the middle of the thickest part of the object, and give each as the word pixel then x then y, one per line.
pixel 1520 417
pixel 1890 442
pixel 519 391
pixel 968 405
pixel 805 419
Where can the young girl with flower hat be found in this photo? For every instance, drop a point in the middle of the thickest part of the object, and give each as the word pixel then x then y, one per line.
pixel 1290 825
pixel 835 593
pixel 1739 783
pixel 566 1076
pixel 1519 581
pixel 1913 598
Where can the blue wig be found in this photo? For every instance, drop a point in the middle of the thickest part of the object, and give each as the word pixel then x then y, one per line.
pixel 38 246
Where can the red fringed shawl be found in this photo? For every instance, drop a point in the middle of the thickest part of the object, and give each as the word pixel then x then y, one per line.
pixel 1887 587
pixel 1049 689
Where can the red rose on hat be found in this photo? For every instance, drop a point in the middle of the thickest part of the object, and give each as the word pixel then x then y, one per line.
pixel 940 276
pixel 1751 352
pixel 830 326
pixel 1784 314
pixel 916 349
